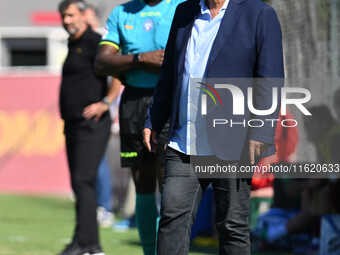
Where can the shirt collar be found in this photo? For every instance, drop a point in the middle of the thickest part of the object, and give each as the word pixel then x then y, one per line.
pixel 204 8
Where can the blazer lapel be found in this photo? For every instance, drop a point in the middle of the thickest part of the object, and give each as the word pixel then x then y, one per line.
pixel 228 22
pixel 186 32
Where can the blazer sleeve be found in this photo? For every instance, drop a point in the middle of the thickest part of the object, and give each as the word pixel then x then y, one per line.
pixel 159 110
pixel 268 73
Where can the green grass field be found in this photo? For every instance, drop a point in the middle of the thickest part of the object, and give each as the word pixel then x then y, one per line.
pixel 42 226
pixel 31 225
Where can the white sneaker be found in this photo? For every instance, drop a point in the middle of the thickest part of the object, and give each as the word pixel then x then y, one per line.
pixel 105 219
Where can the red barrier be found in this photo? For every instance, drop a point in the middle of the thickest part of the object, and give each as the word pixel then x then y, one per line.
pixel 32 151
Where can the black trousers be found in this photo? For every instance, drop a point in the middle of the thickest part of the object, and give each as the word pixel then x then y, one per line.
pixel 85 144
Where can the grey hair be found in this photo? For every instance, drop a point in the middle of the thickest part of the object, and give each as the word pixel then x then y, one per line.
pixel 65 3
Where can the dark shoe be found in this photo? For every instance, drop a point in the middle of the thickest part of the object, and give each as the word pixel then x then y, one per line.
pixel 74 249
pixel 95 250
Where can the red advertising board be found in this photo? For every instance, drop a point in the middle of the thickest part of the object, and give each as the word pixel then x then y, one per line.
pixel 32 150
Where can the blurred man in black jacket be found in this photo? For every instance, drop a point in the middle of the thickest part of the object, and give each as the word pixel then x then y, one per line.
pixel 84 104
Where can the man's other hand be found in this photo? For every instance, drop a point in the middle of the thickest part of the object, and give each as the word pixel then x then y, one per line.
pixel 255 149
pixel 95 111
pixel 150 139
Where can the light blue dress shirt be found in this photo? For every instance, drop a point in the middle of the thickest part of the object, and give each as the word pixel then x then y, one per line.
pixel 190 136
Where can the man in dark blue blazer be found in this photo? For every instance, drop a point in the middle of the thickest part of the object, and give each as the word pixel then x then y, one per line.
pixel 214 39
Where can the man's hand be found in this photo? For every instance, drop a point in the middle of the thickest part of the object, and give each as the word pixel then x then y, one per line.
pixel 255 149
pixel 152 57
pixel 95 111
pixel 150 139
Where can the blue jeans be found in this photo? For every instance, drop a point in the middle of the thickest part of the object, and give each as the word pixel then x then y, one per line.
pixel 181 197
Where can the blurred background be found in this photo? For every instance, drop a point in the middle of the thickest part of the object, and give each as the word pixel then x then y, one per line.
pixel 33 46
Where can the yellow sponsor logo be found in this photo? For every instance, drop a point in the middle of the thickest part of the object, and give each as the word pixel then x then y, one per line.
pixel 128 27
pixel 129 154
pixel 30 134
pixel 150 14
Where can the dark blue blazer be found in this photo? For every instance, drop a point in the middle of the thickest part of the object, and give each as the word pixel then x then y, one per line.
pixel 248 44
